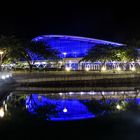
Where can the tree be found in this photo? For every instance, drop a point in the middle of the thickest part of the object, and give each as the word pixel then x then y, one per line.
pixel 101 53
pixel 29 51
pixel 134 46
pixel 107 53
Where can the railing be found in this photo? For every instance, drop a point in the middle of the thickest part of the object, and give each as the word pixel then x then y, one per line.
pixel 71 89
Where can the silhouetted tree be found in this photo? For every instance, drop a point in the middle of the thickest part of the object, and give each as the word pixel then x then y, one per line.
pixel 18 50
pixel 108 53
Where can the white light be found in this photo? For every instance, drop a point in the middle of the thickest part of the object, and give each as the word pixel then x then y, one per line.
pixel 3 77
pixel 65 110
pixel 1 52
pixel 70 93
pixel 111 92
pixel 44 62
pixel 118 107
pixel 7 76
pixel 64 53
pixel 60 93
pixel 103 92
pixel 81 93
pixel 68 68
pixel 92 93
pixel 87 69
pixel 38 63
pixel 1 112
pixel 118 69
pixel 103 68
pixel 133 68
pixel 4 102
pixel 5 106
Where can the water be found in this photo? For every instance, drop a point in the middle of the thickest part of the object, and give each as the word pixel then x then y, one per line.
pixel 102 114
pixel 69 106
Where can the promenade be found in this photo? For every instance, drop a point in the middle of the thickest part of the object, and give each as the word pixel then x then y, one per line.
pixel 22 77
pixel 62 81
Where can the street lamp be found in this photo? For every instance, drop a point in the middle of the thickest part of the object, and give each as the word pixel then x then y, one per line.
pixel 1 53
pixel 64 53
pixel 1 112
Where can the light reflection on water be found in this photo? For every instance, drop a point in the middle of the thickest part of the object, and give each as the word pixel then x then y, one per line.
pixel 73 105
pixel 66 109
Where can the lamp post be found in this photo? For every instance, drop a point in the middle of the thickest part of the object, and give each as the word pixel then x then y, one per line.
pixel 1 53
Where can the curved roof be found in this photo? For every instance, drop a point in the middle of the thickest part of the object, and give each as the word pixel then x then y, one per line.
pixel 72 46
pixel 76 38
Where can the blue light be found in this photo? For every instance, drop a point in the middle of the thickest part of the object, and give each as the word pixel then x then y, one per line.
pixel 72 46
pixel 67 109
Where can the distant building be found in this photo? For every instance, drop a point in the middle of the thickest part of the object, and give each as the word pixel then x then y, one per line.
pixel 72 49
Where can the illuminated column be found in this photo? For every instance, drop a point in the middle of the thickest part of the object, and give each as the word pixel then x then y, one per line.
pixel 64 56
pixel 70 63
pixel 80 66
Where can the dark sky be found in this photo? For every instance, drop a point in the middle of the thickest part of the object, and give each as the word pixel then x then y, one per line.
pixel 116 23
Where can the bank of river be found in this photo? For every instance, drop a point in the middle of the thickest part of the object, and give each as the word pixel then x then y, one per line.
pixel 76 81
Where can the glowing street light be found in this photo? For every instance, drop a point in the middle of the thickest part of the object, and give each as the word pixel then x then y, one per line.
pixel 87 69
pixel 1 52
pixel 133 68
pixel 1 112
pixel 70 93
pixel 3 77
pixel 68 68
pixel 64 53
pixel 81 93
pixel 103 68
pixel 119 107
pixel 60 94
pixel 118 69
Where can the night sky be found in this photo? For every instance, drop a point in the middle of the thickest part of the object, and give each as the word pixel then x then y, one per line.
pixel 113 23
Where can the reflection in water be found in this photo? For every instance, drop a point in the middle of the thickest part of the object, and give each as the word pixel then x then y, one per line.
pixel 65 109
pixel 1 112
pixel 71 105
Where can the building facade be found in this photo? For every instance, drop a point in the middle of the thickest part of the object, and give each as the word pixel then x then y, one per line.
pixel 73 48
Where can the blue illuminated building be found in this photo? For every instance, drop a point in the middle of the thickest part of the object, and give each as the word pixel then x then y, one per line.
pixel 72 48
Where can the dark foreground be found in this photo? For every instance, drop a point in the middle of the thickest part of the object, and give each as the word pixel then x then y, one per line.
pixel 123 126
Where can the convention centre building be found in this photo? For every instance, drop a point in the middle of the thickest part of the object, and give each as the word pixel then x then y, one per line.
pixel 72 49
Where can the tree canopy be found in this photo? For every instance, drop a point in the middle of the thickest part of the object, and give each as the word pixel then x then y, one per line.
pixel 20 50
pixel 108 53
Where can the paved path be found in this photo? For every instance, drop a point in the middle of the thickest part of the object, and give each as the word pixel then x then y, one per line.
pixel 35 77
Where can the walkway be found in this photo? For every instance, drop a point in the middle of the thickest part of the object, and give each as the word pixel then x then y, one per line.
pixel 72 76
